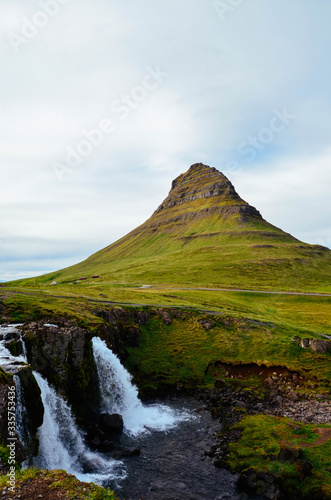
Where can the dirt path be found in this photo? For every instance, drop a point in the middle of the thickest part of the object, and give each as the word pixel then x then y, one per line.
pixel 239 290
pixel 325 435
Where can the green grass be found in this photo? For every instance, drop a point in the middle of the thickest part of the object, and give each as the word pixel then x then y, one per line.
pixel 310 313
pixel 223 265
pixel 275 445
pixel 185 352
pixel 4 376
pixel 181 352
pixel 32 307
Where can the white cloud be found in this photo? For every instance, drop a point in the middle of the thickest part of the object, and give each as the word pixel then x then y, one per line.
pixel 293 194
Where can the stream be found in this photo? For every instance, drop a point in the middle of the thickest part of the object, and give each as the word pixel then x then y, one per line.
pixel 173 464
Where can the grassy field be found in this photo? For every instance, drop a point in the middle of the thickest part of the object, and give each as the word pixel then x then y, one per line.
pixel 311 313
pixel 241 265
pixel 245 328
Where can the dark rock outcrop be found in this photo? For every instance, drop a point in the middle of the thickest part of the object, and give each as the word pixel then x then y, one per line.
pixel 4 389
pixel 111 424
pixel 64 356
pixel 34 408
pixel 203 182
pixel 121 328
pixel 7 393
pixel 318 345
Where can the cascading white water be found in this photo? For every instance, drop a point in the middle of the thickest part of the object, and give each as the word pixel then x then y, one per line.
pixel 24 353
pixel 61 444
pixel 20 419
pixel 119 395
pixel 20 412
pixel 9 362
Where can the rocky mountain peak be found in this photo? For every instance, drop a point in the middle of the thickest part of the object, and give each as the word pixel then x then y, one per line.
pixel 200 182
pixel 197 171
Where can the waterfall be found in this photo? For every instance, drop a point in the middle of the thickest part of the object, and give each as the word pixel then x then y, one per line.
pixel 9 362
pixel 20 412
pixel 25 356
pixel 61 443
pixel 119 395
pixel 20 419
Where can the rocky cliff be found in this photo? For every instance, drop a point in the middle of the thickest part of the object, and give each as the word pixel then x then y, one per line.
pixel 203 183
pixel 62 354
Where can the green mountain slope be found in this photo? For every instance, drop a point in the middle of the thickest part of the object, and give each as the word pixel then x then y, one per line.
pixel 204 234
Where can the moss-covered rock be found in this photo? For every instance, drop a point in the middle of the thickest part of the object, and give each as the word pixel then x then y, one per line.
pixel 282 459
pixel 122 328
pixel 14 347
pixel 53 484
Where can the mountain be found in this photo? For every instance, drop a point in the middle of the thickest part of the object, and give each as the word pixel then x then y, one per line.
pixel 204 234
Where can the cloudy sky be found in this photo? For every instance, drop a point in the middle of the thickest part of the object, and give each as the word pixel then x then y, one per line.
pixel 104 102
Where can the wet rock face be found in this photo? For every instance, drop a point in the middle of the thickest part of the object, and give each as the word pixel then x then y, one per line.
pixel 32 400
pixel 55 347
pixel 111 424
pixel 4 389
pixel 122 328
pixel 63 355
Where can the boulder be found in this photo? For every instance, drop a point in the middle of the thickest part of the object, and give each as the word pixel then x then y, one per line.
pixel 268 382
pixel 320 346
pixel 97 439
pixel 90 463
pixel 279 401
pixel 303 468
pixel 206 324
pixel 166 316
pixel 111 424
pixel 292 396
pixel 219 383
